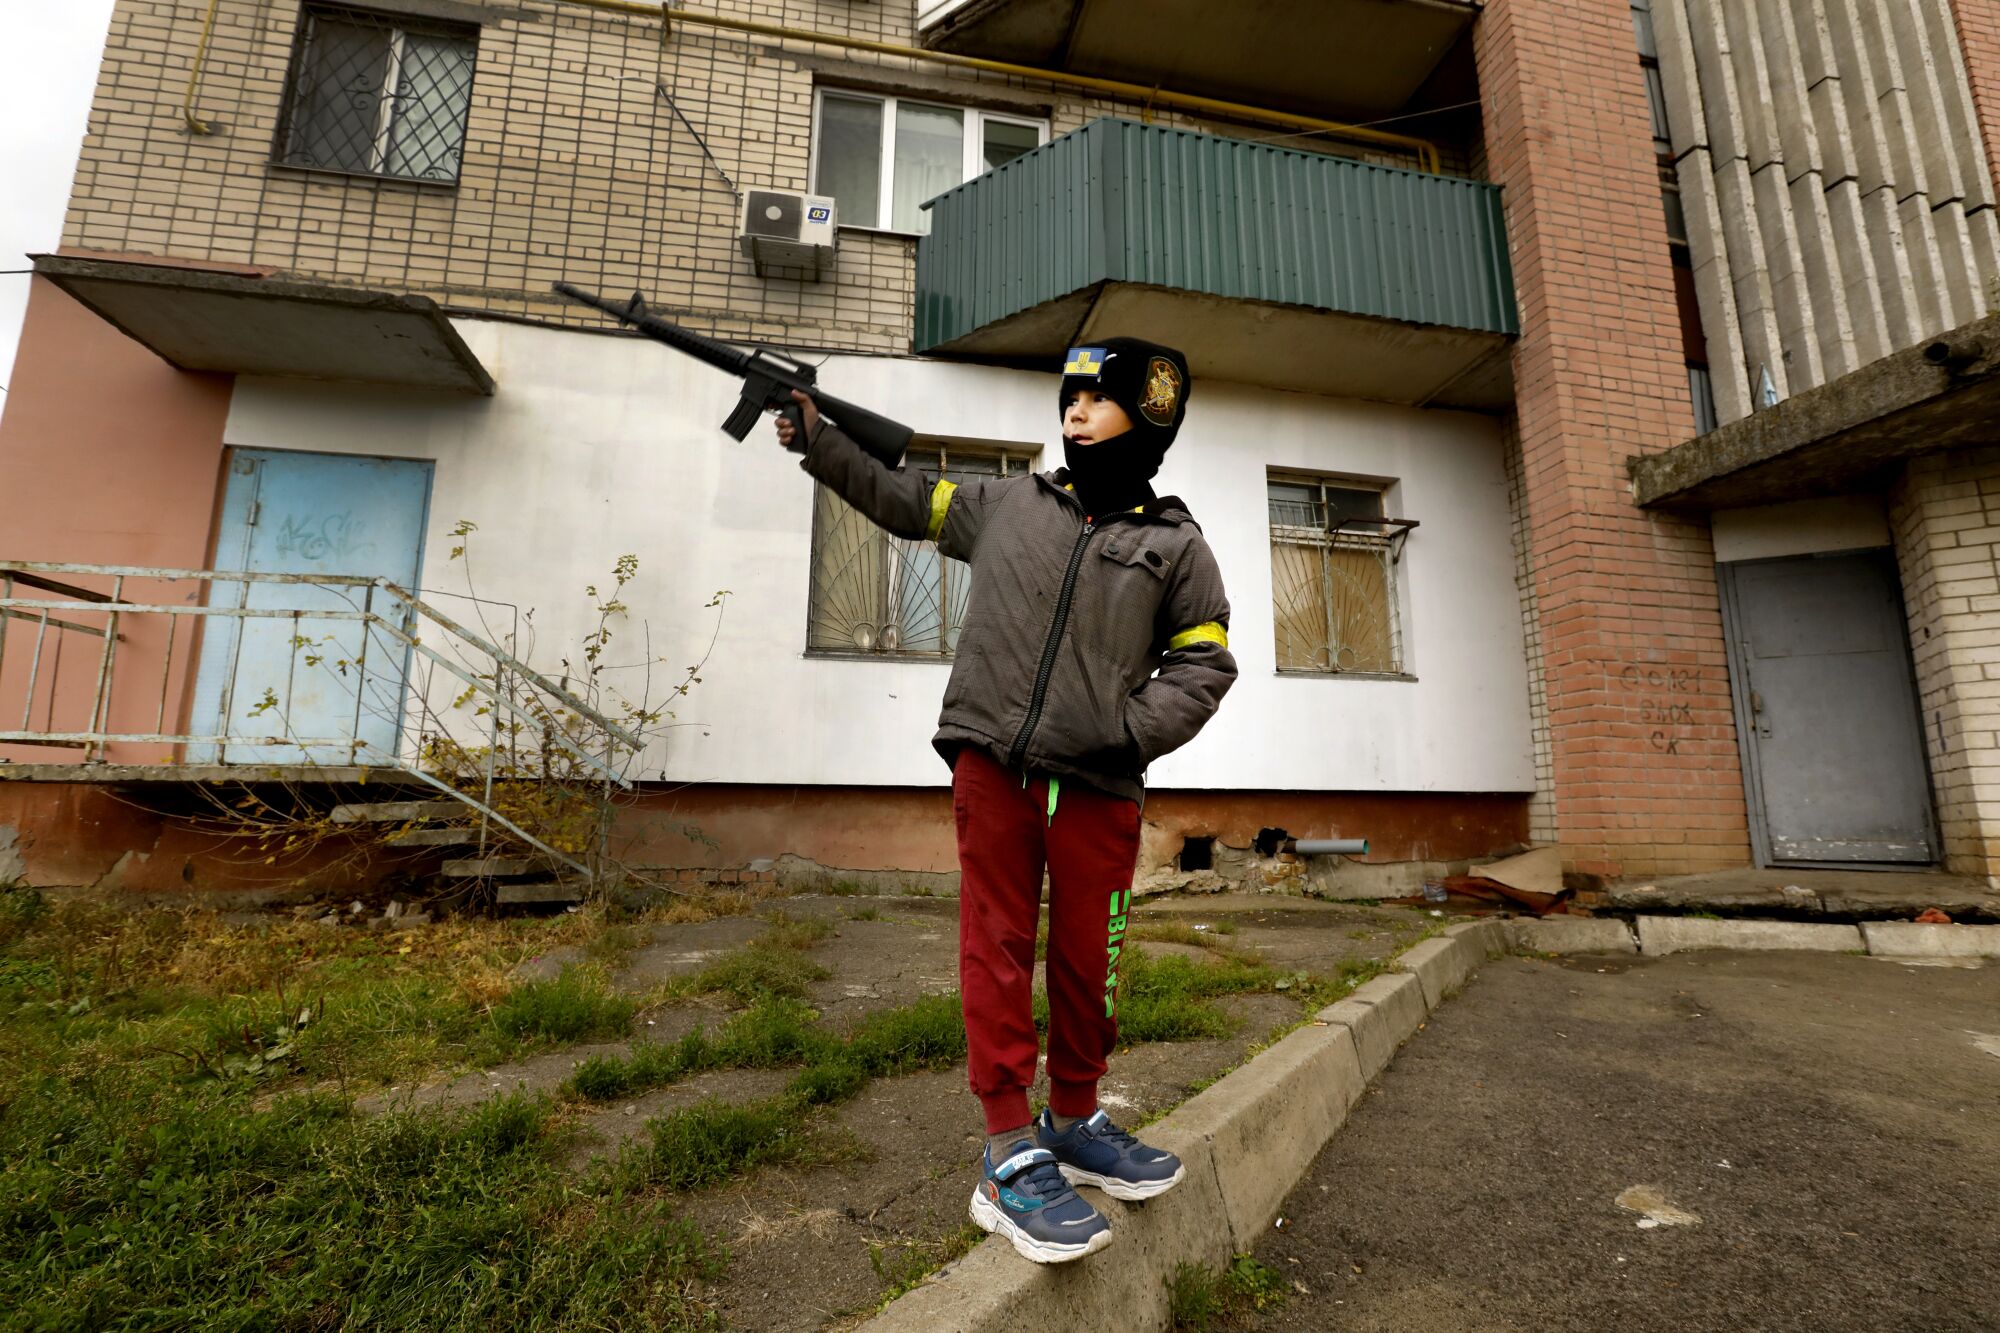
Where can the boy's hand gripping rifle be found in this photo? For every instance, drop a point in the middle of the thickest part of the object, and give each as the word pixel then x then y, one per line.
pixel 768 380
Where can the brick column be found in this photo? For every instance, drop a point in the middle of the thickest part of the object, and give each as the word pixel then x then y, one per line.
pixel 1978 23
pixel 1644 776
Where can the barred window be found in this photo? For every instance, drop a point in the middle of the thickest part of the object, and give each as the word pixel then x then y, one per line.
pixel 1333 577
pixel 875 595
pixel 375 95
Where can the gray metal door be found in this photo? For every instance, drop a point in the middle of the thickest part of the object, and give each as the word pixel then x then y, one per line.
pixel 1826 703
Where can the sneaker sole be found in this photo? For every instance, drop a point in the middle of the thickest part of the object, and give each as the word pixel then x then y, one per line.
pixel 990 1218
pixel 1129 1191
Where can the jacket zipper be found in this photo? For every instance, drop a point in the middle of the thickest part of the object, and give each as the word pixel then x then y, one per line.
pixel 1019 750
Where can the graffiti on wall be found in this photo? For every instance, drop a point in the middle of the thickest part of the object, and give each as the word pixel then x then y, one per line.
pixel 1666 702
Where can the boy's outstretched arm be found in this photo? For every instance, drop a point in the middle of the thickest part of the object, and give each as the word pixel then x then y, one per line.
pixel 1168 710
pixel 905 502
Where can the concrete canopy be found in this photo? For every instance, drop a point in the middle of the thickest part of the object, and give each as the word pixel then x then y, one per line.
pixel 1264 343
pixel 1326 57
pixel 199 319
pixel 1841 436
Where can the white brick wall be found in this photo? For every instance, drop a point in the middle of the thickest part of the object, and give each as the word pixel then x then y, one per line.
pixel 574 168
pixel 1946 515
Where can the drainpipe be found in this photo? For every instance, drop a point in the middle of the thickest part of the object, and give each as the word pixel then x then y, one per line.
pixel 1425 150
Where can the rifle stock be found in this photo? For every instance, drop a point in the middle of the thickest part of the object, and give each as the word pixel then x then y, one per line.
pixel 768 377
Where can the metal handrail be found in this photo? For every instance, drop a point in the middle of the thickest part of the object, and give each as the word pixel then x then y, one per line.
pixel 547 686
pixel 97 735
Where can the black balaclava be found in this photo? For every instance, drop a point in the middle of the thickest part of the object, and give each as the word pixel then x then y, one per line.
pixel 1151 383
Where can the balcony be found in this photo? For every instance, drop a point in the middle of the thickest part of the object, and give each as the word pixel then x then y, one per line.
pixel 1266 265
pixel 1343 58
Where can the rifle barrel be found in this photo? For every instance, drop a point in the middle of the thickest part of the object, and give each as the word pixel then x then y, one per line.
pixel 717 354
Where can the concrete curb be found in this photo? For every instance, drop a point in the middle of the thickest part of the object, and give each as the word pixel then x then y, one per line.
pixel 1245 1141
pixel 1381 1014
pixel 1248 1139
pixel 1572 934
pixel 1908 939
pixel 1658 935
pixel 1445 962
pixel 1673 934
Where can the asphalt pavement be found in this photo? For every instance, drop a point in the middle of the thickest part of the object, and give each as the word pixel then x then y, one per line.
pixel 1800 1141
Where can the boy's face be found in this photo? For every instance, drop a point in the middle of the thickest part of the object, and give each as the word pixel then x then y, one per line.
pixel 1091 418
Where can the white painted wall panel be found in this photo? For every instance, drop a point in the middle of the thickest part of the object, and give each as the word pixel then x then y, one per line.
pixel 597 446
pixel 1801 527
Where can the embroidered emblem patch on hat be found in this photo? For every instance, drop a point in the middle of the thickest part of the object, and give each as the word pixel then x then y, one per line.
pixel 1084 361
pixel 1163 392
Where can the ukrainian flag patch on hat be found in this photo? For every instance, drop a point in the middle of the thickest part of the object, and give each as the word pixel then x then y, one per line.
pixel 1084 361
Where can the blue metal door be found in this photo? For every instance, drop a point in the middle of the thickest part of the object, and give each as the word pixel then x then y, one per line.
pixel 324 690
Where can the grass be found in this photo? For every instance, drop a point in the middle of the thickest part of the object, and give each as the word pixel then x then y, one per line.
pixel 902 1265
pixel 928 1033
pixel 711 1141
pixel 574 1007
pixel 1199 1300
pixel 1164 999
pixel 1353 972
pixel 178 1146
pixel 1203 936
pixel 307 1215
pixel 772 966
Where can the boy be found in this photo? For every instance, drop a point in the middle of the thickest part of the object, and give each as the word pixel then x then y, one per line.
pixel 1095 642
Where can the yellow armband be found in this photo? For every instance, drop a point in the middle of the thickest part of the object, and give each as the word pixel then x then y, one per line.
pixel 940 506
pixel 1210 632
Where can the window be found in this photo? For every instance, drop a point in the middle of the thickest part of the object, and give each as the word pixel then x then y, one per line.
pixel 1333 577
pixel 877 595
pixel 1702 391
pixel 1649 61
pixel 378 96
pixel 882 157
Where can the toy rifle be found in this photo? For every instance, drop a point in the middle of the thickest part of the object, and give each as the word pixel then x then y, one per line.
pixel 768 380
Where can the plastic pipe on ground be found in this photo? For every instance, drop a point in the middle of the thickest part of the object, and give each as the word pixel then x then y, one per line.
pixel 1328 847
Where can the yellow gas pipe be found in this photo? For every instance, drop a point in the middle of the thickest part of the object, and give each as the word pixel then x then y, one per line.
pixel 1425 150
pixel 195 125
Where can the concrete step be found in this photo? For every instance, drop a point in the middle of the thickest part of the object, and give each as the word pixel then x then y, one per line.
pixel 494 867
pixel 398 812
pixel 1807 895
pixel 541 892
pixel 453 835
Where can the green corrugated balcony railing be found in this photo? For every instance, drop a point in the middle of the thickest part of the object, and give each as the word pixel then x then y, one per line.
pixel 1121 202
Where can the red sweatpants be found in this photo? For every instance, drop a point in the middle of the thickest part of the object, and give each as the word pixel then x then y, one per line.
pixel 1005 838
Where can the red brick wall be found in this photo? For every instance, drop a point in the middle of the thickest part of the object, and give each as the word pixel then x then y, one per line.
pixel 1979 37
pixel 1644 771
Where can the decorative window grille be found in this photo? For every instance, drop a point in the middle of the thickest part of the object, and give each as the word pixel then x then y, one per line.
pixel 1333 577
pixel 374 95
pixel 874 595
pixel 882 157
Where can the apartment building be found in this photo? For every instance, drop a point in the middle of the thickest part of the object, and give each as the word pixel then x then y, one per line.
pixel 1451 278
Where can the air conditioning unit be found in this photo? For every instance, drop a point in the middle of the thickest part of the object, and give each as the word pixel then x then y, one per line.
pixel 783 229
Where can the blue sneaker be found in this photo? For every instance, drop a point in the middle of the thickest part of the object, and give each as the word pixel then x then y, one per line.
pixel 1097 1152
pixel 1026 1200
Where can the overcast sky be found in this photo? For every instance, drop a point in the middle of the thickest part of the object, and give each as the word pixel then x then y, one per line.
pixel 48 66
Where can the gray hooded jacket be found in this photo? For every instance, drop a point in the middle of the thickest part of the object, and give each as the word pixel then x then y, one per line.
pixel 1092 645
